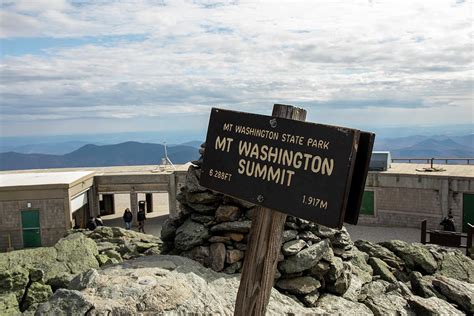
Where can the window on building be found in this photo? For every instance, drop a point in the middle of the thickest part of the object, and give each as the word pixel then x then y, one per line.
pixel 367 207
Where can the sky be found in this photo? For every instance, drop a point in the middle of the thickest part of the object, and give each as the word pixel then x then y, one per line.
pixel 80 67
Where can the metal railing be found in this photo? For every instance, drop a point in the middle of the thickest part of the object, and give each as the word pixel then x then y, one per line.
pixel 432 160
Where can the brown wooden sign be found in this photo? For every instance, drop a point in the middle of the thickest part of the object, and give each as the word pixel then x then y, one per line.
pixel 301 169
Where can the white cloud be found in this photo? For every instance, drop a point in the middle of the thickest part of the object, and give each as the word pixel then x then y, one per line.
pixel 409 60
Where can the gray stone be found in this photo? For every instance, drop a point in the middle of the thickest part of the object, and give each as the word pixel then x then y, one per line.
pixel 381 269
pixel 305 259
pixel 203 209
pixel 391 303
pixel 190 235
pixel 311 299
pixel 227 213
pixel 337 305
pixel 415 256
pixel 192 181
pixel 141 286
pixel 239 227
pixel 373 289
pixel 335 269
pixel 168 230
pixel 83 280
pixel 64 302
pixel 432 306
pixel 459 292
pixel 457 266
pixel 115 255
pixel 324 232
pixel 202 198
pixel 238 202
pixel 78 252
pixel 342 283
pixel 300 285
pixel 360 267
pixel 289 235
pixel 105 245
pixel 341 239
pixel 309 236
pixel 203 219
pixel 353 291
pixel 153 251
pixel 292 247
pixel 378 251
pixel 217 256
pixel 234 267
pixel 320 269
pixel 422 286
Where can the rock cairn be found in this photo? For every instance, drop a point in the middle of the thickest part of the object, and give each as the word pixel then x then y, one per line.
pixel 213 230
pixel 319 266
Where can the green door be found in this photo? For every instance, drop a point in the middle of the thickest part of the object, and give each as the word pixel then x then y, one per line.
pixel 31 228
pixel 467 210
pixel 367 207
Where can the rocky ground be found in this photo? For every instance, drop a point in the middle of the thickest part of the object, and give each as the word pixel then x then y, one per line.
pixel 115 272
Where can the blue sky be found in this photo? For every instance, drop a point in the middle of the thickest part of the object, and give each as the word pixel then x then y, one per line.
pixel 78 67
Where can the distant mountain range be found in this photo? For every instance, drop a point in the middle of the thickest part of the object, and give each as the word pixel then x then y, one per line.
pixel 123 154
pixel 427 147
pixel 57 155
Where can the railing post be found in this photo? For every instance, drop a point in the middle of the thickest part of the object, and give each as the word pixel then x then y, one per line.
pixel 423 231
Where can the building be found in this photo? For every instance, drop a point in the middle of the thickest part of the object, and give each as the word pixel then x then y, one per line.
pixel 404 195
pixel 37 207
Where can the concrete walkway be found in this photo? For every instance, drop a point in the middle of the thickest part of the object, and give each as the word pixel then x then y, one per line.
pixel 371 233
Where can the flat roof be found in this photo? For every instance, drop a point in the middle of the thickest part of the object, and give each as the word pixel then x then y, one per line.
pixel 458 171
pixel 41 178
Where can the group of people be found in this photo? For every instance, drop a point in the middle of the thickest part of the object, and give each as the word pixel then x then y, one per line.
pixel 94 222
pixel 128 219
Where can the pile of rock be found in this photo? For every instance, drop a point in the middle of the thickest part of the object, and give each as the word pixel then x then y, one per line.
pixel 29 277
pixel 316 264
pixel 213 230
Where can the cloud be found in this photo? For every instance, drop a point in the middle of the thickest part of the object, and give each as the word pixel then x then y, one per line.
pixel 126 60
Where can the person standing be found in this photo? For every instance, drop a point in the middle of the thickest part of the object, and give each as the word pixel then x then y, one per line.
pixel 141 217
pixel 128 218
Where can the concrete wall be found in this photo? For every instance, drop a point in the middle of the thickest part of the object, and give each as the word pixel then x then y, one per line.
pixel 53 215
pixel 406 200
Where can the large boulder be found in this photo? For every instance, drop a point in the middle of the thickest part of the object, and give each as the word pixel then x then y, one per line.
pixel 160 285
pixel 458 292
pixel 423 286
pixel 337 305
pixel 13 281
pixel 381 268
pixel 415 256
pixel 457 266
pixel 65 302
pixel 432 306
pixel 78 253
pixel 377 251
pixel 300 285
pixel 190 235
pixel 305 259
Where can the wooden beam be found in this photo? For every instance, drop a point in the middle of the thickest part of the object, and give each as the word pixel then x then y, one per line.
pixel 264 245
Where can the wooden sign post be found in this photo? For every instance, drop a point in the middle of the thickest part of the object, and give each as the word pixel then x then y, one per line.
pixel 284 166
pixel 263 248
